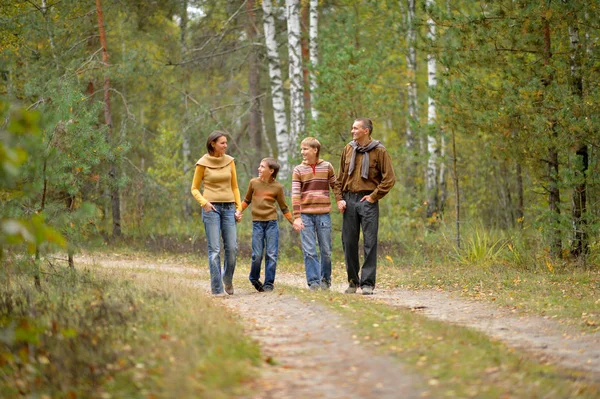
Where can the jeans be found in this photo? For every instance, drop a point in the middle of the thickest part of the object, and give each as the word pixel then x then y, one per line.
pixel 316 228
pixel 265 235
pixel 359 215
pixel 221 223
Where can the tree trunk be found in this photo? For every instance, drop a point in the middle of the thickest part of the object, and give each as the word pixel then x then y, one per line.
pixel 113 173
pixel 553 166
pixel 442 181
pixel 456 190
pixel 432 144
pixel 185 140
pixel 304 22
pixel 281 124
pixel 255 120
pixel 314 55
pixel 579 245
pixel 521 197
pixel 412 119
pixel 295 72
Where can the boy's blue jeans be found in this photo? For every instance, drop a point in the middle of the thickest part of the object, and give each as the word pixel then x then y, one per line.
pixel 265 237
pixel 221 223
pixel 317 228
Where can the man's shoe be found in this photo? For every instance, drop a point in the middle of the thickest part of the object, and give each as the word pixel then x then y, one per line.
pixel 367 290
pixel 315 287
pixel 325 286
pixel 229 288
pixel 258 285
pixel 350 290
pixel 267 288
pixel 220 294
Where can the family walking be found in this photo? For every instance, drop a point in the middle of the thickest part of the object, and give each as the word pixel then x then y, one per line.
pixel 364 177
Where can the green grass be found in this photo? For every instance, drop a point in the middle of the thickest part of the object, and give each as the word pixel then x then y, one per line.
pixel 455 361
pixel 121 335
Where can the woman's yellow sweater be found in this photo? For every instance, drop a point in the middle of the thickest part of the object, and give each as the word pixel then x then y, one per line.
pixel 220 181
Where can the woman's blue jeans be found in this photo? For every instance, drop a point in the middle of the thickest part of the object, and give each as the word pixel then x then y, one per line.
pixel 265 237
pixel 317 228
pixel 218 224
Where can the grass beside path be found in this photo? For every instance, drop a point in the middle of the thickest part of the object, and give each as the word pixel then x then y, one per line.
pixel 88 335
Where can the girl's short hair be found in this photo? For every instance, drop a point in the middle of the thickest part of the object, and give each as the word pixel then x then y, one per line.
pixel 312 143
pixel 214 136
pixel 272 164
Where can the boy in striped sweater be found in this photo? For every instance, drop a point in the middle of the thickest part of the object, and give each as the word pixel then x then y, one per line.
pixel 311 182
pixel 263 192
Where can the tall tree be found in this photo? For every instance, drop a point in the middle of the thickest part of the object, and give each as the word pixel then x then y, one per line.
pixel 115 198
pixel 432 128
pixel 295 71
pixel 281 125
pixel 185 80
pixel 580 245
pixel 412 117
pixel 314 54
pixel 255 118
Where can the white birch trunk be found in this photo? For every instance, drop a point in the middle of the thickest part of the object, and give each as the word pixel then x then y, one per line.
pixel 314 54
pixel 432 144
pixel 295 71
pixel 281 124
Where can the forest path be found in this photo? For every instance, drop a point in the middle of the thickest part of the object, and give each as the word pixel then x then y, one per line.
pixel 312 354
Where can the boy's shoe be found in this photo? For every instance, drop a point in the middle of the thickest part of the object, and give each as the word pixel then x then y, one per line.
pixel 367 290
pixel 315 287
pixel 258 285
pixel 350 290
pixel 229 288
pixel 325 286
pixel 267 288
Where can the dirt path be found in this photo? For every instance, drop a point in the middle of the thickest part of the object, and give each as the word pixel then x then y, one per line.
pixel 313 355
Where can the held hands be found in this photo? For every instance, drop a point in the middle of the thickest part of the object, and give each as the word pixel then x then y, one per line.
pixel 238 216
pixel 298 225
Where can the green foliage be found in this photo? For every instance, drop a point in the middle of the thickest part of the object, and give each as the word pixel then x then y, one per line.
pixel 21 126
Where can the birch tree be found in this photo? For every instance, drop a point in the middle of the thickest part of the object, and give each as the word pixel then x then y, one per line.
pixel 281 124
pixel 412 118
pixel 314 54
pixel 295 71
pixel 432 144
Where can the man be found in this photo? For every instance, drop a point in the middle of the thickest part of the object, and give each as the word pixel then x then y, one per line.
pixel 365 176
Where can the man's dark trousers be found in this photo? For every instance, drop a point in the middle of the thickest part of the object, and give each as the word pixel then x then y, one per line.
pixel 359 215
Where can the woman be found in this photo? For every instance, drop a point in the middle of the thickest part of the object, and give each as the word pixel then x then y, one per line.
pixel 219 200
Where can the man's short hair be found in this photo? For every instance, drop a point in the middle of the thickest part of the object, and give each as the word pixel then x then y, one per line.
pixel 272 164
pixel 366 123
pixel 312 143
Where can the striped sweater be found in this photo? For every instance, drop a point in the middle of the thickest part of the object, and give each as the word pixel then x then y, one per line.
pixel 310 188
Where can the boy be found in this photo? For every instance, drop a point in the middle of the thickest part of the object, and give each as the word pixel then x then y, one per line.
pixel 311 182
pixel 262 193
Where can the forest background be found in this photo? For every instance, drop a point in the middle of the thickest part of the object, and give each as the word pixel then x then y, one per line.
pixel 488 109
